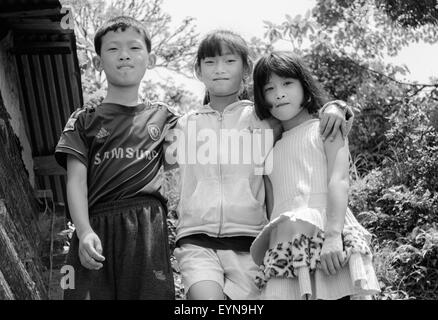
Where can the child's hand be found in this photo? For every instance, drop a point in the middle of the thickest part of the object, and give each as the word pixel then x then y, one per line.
pixel 333 120
pixel 332 255
pixel 90 251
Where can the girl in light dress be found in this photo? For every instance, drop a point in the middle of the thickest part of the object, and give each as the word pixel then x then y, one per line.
pixel 313 247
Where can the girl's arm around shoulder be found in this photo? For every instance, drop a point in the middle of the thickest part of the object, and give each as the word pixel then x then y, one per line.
pixel 335 116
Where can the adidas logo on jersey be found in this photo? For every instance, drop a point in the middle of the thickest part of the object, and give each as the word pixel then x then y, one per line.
pixel 102 133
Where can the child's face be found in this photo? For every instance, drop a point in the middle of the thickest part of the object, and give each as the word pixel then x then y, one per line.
pixel 222 75
pixel 124 57
pixel 284 95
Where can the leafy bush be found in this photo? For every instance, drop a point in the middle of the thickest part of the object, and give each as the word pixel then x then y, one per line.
pixel 386 271
pixel 398 203
pixel 416 261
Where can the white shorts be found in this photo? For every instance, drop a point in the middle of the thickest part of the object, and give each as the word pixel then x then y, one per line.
pixel 234 271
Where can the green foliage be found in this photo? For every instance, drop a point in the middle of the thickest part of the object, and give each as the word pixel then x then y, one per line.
pixel 410 13
pixel 342 76
pixel 364 26
pixel 407 13
pixel 408 268
pixel 416 259
pixel 398 202
pixel 384 254
pixel 413 132
pixel 176 96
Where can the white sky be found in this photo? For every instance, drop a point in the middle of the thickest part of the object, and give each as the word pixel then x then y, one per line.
pixel 243 16
pixel 246 17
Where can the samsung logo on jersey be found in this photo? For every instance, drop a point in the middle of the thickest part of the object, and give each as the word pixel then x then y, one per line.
pixel 128 153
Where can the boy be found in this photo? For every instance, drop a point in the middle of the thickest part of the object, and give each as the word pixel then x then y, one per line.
pixel 112 154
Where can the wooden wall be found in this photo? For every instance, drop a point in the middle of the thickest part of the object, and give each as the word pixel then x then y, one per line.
pixel 21 270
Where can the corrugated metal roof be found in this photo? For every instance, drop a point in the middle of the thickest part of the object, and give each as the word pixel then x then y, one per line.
pixel 25 5
pixel 50 82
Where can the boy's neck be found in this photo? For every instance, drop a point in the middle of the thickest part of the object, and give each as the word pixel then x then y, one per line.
pixel 127 96
pixel 220 103
pixel 300 118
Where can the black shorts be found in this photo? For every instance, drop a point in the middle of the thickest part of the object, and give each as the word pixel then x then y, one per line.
pixel 135 245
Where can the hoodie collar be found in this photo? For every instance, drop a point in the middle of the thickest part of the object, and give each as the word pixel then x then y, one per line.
pixel 241 103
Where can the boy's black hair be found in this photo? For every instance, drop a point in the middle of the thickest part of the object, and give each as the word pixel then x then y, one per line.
pixel 288 65
pixel 122 23
pixel 210 46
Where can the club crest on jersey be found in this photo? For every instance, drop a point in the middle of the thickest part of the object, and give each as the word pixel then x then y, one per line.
pixel 154 131
pixel 70 125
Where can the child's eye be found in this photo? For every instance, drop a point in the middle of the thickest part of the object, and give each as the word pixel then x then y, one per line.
pixel 268 89
pixel 208 61
pixel 231 60
pixel 112 49
pixel 135 47
pixel 288 82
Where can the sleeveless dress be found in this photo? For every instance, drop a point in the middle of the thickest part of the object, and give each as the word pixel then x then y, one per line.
pixel 298 174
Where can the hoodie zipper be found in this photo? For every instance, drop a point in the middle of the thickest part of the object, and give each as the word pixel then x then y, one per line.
pixel 220 175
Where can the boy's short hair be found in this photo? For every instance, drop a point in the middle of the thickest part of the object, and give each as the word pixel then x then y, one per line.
pixel 121 22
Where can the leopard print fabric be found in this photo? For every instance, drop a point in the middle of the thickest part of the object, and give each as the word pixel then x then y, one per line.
pixel 285 258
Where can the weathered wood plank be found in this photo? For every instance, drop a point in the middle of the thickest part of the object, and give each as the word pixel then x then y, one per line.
pixel 13 270
pixel 5 290
pixel 20 237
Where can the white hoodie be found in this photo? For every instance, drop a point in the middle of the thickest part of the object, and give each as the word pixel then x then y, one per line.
pixel 221 158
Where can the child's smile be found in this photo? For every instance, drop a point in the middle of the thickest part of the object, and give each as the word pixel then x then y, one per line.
pixel 125 67
pixel 124 57
pixel 281 104
pixel 222 74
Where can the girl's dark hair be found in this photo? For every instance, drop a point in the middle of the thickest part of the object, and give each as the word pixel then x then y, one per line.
pixel 121 23
pixel 288 65
pixel 210 46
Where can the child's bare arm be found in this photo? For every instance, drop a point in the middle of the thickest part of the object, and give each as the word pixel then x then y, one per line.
pixel 90 248
pixel 77 195
pixel 332 256
pixel 269 198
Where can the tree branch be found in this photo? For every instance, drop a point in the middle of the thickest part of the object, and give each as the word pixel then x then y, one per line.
pixel 390 78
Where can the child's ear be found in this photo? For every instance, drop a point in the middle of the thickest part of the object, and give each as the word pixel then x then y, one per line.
pixel 152 59
pixel 307 99
pixel 246 74
pixel 97 63
pixel 247 70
